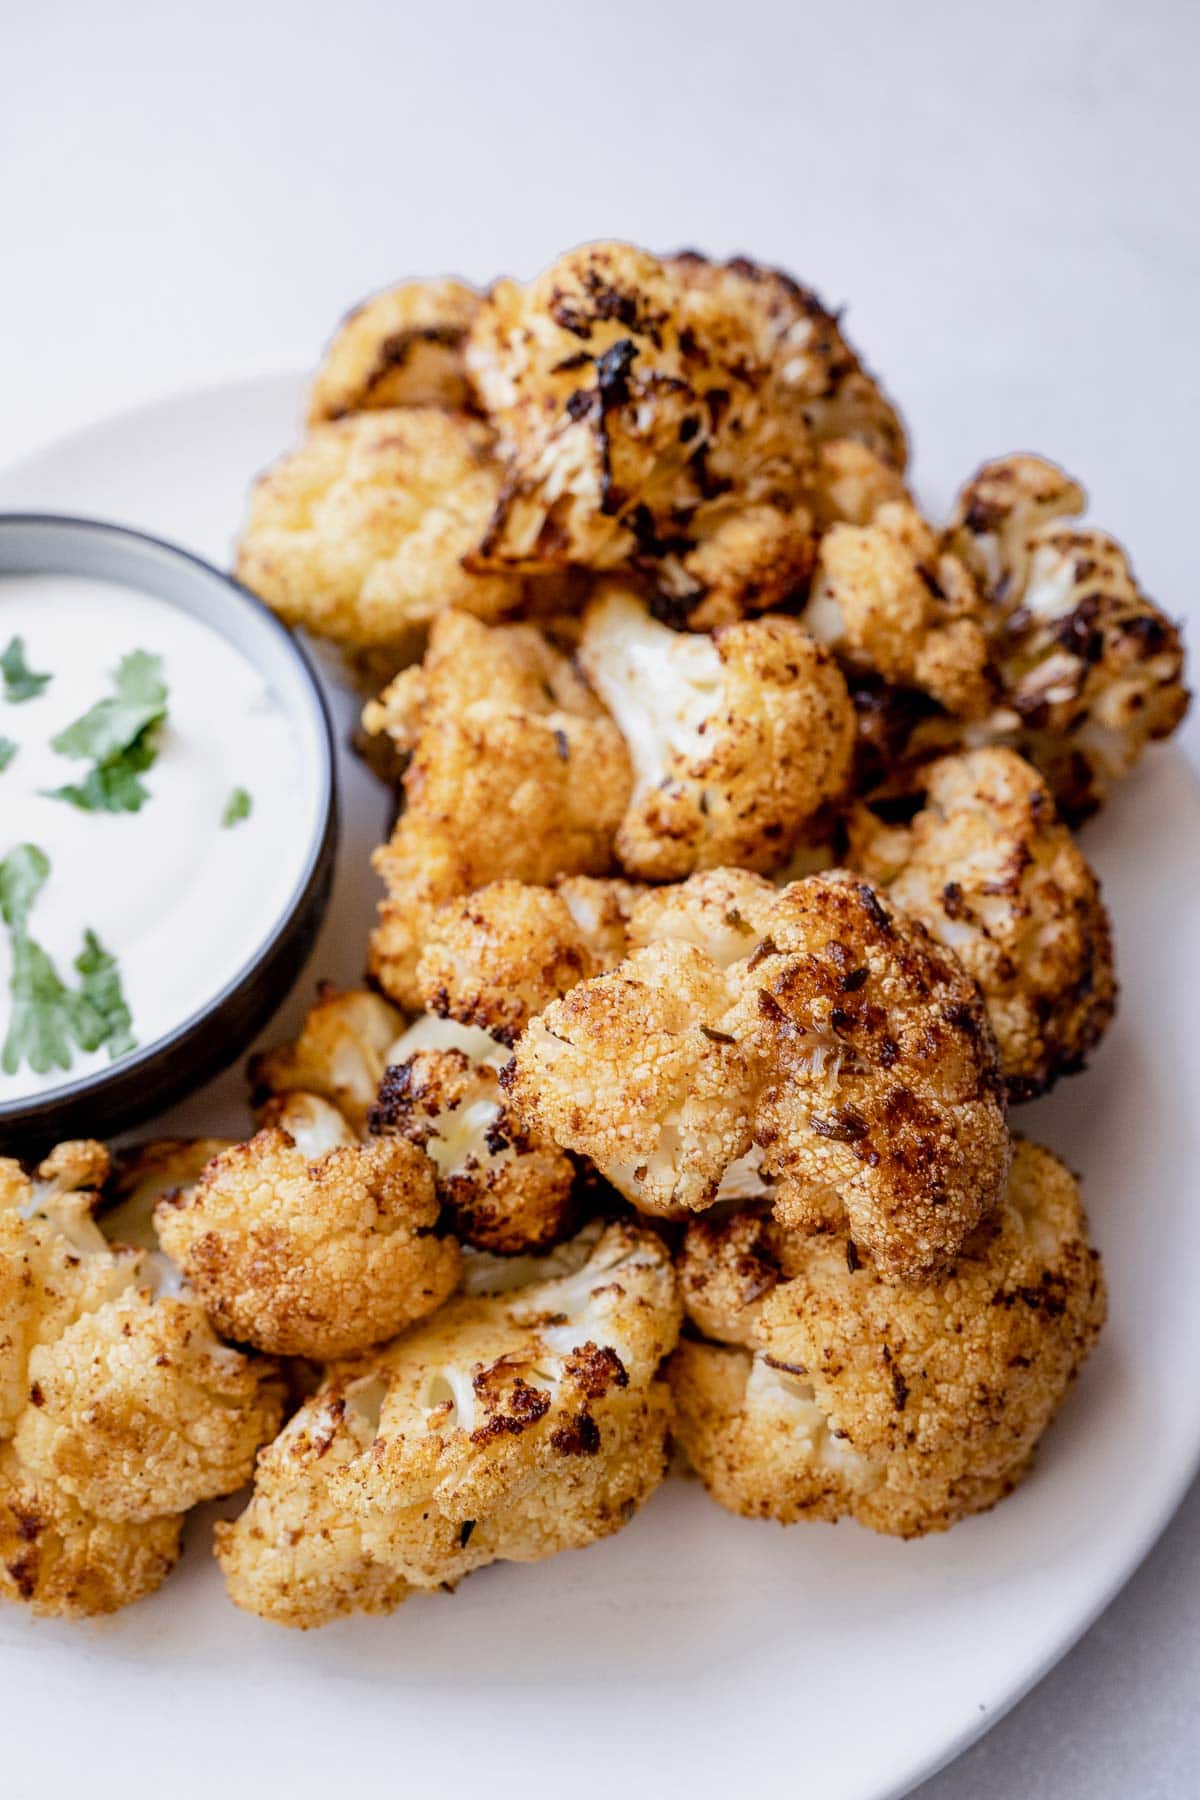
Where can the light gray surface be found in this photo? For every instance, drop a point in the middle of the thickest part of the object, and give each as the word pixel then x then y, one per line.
pixel 1007 196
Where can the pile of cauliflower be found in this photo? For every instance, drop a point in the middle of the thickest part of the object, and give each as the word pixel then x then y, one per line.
pixel 731 908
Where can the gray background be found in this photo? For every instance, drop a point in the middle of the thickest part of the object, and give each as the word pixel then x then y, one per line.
pixel 1006 197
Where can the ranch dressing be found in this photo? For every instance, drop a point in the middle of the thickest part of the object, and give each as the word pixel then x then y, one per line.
pixel 181 900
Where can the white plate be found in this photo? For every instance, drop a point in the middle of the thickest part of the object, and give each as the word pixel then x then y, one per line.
pixel 695 1652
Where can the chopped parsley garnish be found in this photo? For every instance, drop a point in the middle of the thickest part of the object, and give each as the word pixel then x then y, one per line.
pixel 7 751
pixel 48 1017
pixel 237 807
pixel 119 736
pixel 20 682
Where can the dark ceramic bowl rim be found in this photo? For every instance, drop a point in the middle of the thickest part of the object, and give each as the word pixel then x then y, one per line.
pixel 31 1119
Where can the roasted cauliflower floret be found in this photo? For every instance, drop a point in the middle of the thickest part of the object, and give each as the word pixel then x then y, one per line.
pixel 819 1025
pixel 340 1054
pixel 988 867
pixel 888 599
pixel 501 954
pixel 402 347
pixel 120 1409
pixel 508 1427
pixel 905 1408
pixel 508 1188
pixel 664 413
pixel 359 534
pixel 728 1262
pixel 737 740
pixel 516 773
pixel 305 1242
pixel 850 483
pixel 1090 671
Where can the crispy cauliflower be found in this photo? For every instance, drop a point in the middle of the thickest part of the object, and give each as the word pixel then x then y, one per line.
pixel 509 1189
pixel 888 599
pixel 663 413
pixel 816 1023
pixel 502 953
pixel 991 871
pixel 508 1427
pixel 1090 671
pixel 340 1054
pixel 119 1410
pixel 304 1242
pixel 402 347
pixel 850 483
pixel 516 772
pixel 904 1408
pixel 359 534
pixel 737 740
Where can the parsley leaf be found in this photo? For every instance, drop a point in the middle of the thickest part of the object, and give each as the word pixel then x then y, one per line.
pixel 100 991
pixel 237 807
pixel 7 751
pixel 23 875
pixel 20 682
pixel 120 736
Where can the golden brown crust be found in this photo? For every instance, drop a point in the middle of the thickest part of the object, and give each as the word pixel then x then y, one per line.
pixel 402 347
pixel 340 1054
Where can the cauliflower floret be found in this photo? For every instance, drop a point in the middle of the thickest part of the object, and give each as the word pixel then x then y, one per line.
pixel 664 414
pixel 305 1242
pixel 888 599
pixel 1090 671
pixel 850 483
pixel 118 1408
pixel 990 870
pixel 834 1034
pixel 728 1262
pixel 501 954
pixel 516 773
pixel 62 1561
pixel 508 1427
pixel 905 1408
pixel 359 534
pixel 508 1189
pixel 737 740
pixel 341 1053
pixel 141 1175
pixel 402 347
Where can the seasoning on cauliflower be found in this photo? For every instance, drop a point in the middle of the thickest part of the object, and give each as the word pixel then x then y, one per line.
pixel 516 773
pixel 842 1041
pixel 905 1408
pixel 662 414
pixel 850 483
pixel 402 347
pixel 509 1189
pixel 737 740
pixel 1090 671
pixel 502 953
pixel 304 1242
pixel 887 598
pixel 994 875
pixel 508 1427
pixel 341 1053
pixel 359 534
pixel 119 1410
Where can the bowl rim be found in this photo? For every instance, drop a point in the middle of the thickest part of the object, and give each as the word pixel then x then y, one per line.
pixel 25 1113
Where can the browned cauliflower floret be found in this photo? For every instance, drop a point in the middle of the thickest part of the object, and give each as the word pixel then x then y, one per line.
pixel 664 414
pixel 340 1054
pixel 403 347
pixel 305 1242
pixel 905 1408
pixel 516 773
pixel 737 740
pixel 988 867
pixel 508 1427
pixel 120 1409
pixel 1089 670
pixel 359 534
pixel 819 1025
pixel 501 954
pixel 508 1188
pixel 850 483
pixel 728 1262
pixel 888 599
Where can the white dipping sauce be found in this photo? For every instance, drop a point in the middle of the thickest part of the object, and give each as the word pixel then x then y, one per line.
pixel 180 900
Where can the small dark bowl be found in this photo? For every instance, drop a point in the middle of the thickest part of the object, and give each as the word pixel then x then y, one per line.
pixel 149 1079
